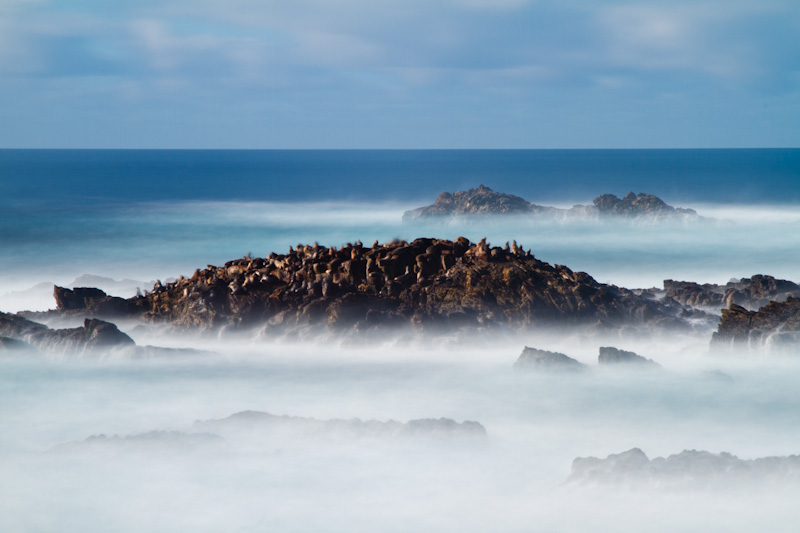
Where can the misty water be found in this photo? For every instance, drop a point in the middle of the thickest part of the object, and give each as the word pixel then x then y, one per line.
pixel 536 423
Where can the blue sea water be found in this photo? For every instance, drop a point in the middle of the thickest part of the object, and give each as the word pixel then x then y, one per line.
pixel 80 177
pixel 156 214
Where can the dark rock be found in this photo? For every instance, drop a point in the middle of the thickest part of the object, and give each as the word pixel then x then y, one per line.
pixel 688 469
pixel 611 356
pixel 544 360
pixel 94 335
pixel 776 322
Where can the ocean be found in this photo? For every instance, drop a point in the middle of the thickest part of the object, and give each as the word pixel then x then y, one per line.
pixel 145 215
pixel 103 444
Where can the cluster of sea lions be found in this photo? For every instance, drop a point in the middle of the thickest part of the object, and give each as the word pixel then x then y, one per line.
pixel 321 271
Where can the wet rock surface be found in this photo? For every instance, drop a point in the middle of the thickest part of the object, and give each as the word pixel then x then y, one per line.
pixel 688 469
pixel 777 324
pixel 429 285
pixel 750 293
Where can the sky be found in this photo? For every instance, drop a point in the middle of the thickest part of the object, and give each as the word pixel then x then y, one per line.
pixel 399 73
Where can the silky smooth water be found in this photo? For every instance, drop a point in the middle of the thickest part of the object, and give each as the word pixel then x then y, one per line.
pixel 149 215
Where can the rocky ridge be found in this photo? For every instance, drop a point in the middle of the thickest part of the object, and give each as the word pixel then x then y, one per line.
pixel 429 285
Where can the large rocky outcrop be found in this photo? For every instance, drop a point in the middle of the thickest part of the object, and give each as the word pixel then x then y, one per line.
pixel 776 325
pixel 94 336
pixel 479 201
pixel 688 469
pixel 428 284
pixel 751 293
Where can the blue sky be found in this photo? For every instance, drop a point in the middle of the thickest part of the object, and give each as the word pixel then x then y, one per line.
pixel 399 73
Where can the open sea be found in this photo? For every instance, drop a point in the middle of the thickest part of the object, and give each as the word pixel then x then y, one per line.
pixel 103 443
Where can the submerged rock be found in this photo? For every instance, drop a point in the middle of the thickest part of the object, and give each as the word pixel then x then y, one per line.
pixel 162 441
pixel 266 425
pixel 688 469
pixel 610 356
pixel 544 360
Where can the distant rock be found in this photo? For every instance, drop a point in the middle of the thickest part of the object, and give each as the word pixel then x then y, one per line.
pixel 269 426
pixel 479 201
pixel 484 201
pixel 775 326
pixel 610 356
pixel 638 205
pixel 548 361
pixel 689 469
